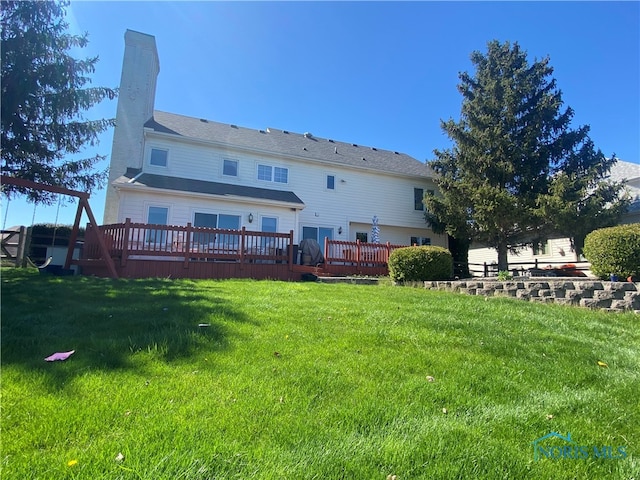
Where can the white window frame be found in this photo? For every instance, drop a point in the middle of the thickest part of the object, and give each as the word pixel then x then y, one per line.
pixel 326 183
pixel 420 241
pixel 272 173
pixel 159 149
pixel 237 163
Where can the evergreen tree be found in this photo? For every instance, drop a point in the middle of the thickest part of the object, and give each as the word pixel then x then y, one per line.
pixel 44 94
pixel 513 138
pixel 581 199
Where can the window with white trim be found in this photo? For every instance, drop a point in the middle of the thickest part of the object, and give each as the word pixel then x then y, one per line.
pixel 157 216
pixel 420 241
pixel 331 182
pixel 230 168
pixel 270 173
pixel 158 157
pixel 540 248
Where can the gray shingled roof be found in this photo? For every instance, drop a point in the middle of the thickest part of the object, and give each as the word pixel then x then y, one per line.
pixel 304 146
pixel 624 171
pixel 209 188
pixel 628 171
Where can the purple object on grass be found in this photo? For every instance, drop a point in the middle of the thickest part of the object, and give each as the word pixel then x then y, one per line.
pixel 59 356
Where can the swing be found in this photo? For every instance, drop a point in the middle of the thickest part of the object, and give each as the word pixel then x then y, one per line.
pixel 53 238
pixel 83 205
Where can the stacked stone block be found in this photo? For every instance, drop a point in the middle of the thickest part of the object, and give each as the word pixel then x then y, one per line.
pixel 612 296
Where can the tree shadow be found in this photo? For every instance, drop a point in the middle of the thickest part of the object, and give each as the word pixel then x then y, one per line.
pixel 108 322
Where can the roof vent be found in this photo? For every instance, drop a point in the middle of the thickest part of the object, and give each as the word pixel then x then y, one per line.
pixel 204 120
pixel 374 149
pixel 234 126
pixel 331 141
pixel 354 144
pixel 285 131
pixel 364 159
pixel 262 131
pixel 335 149
pixel 307 135
pixel 396 153
pixel 304 148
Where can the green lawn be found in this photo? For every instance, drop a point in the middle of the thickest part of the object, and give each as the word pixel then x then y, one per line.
pixel 309 381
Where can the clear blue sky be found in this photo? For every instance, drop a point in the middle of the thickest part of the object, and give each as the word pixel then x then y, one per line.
pixel 379 74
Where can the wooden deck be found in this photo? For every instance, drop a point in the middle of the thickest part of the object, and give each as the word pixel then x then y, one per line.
pixel 143 251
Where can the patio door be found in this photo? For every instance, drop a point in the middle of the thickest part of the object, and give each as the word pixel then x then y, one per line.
pixel 270 225
pixel 157 216
pixel 207 220
pixel 318 234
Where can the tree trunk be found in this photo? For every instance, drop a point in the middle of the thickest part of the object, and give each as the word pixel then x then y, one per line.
pixel 578 246
pixel 503 264
pixel 459 249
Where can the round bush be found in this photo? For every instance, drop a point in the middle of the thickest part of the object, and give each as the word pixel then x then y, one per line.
pixel 417 264
pixel 614 250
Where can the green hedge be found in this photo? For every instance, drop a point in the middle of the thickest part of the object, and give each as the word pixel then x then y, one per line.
pixel 416 264
pixel 614 250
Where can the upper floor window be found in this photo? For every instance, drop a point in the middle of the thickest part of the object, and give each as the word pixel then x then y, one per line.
pixel 331 182
pixel 273 174
pixel 230 168
pixel 158 157
pixel 418 195
pixel 418 198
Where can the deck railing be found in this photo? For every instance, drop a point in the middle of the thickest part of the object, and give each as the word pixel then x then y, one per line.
pixel 172 242
pixel 157 243
pixel 337 252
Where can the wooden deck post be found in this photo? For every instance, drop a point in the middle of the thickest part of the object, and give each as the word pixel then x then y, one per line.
pixel 125 242
pixel 243 232
pixel 326 248
pixel 290 250
pixel 187 245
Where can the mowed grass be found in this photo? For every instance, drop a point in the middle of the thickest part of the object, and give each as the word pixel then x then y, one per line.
pixel 307 381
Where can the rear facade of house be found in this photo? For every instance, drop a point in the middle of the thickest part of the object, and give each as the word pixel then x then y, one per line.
pixel 172 169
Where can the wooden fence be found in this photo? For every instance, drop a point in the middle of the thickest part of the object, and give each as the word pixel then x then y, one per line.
pixel 533 268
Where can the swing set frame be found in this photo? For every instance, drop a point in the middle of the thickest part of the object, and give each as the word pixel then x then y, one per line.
pixel 83 204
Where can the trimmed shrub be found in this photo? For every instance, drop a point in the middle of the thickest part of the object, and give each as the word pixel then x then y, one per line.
pixel 416 264
pixel 614 250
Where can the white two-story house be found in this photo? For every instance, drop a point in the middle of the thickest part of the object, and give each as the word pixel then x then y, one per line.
pixel 172 169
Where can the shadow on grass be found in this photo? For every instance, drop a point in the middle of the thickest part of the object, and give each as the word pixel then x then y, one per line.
pixel 108 322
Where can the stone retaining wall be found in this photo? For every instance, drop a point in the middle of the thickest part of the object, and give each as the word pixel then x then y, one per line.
pixel 611 296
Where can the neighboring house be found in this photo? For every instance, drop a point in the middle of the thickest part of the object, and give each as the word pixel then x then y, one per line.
pixel 556 251
pixel 629 173
pixel 172 169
